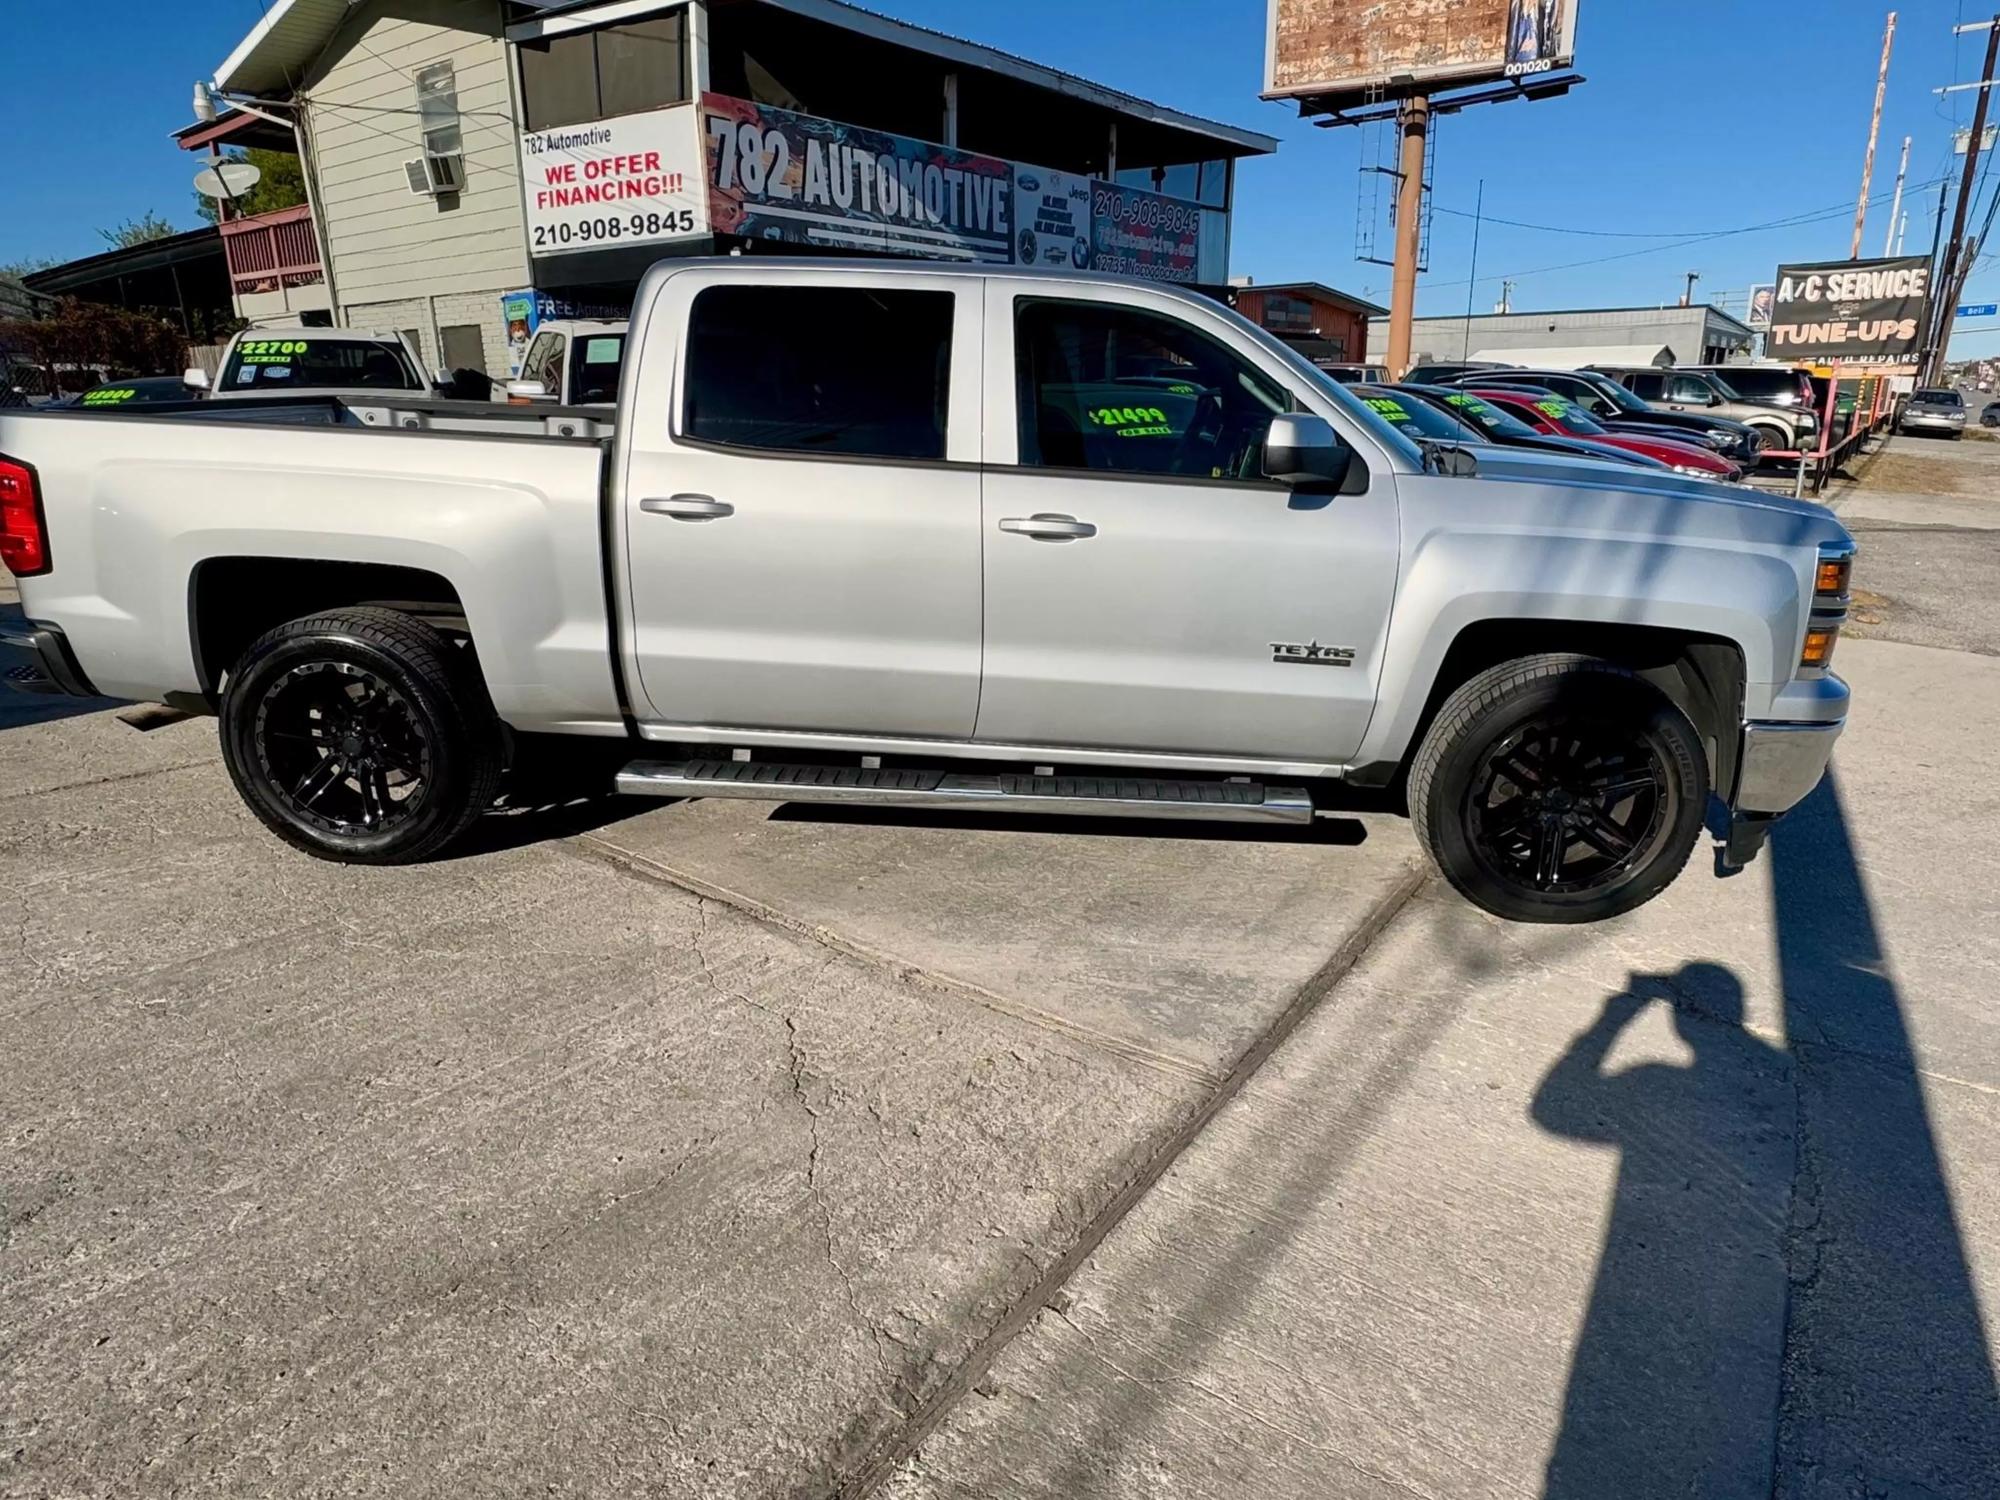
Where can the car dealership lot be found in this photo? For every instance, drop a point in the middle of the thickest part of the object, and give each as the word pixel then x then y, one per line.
pixel 715 1149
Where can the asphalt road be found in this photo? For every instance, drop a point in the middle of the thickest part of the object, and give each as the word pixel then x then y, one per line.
pixel 717 1150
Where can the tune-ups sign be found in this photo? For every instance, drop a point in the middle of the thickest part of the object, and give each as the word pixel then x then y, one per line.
pixel 1862 310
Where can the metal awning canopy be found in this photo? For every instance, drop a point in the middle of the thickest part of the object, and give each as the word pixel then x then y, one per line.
pixel 281 47
pixel 236 128
pixel 1576 356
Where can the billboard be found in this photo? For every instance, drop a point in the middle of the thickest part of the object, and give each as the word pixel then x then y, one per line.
pixel 632 180
pixel 1859 310
pixel 1137 233
pixel 1761 296
pixel 1361 49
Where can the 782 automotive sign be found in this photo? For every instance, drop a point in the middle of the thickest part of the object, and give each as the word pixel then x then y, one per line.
pixel 1870 310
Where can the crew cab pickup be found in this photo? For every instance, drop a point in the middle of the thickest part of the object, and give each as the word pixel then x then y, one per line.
pixel 954 537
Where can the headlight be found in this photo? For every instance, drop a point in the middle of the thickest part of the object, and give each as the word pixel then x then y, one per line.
pixel 1808 422
pixel 1691 471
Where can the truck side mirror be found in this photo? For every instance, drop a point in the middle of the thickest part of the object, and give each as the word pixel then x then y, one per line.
pixel 195 378
pixel 1304 451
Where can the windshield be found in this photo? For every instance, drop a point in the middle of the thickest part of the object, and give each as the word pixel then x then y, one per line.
pixel 600 358
pixel 1415 416
pixel 1486 417
pixel 1616 395
pixel 317 364
pixel 1941 398
pixel 1310 374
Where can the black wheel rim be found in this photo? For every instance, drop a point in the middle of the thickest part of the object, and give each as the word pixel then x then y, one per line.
pixel 1566 805
pixel 342 749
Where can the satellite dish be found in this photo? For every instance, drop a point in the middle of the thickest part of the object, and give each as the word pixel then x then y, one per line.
pixel 227 179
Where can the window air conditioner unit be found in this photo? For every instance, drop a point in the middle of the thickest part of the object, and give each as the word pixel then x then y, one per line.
pixel 432 176
pixel 441 169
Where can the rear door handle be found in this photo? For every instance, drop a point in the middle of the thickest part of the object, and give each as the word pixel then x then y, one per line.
pixel 687 507
pixel 1049 528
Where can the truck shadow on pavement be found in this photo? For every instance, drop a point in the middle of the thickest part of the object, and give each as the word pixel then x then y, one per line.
pixel 1883 1381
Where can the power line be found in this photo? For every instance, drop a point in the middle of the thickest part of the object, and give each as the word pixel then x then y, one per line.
pixel 1791 222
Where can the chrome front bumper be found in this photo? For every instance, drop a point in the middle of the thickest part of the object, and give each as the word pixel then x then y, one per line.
pixel 1782 760
pixel 1916 421
pixel 1781 764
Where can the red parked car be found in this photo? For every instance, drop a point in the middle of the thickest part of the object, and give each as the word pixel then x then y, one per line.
pixel 1551 414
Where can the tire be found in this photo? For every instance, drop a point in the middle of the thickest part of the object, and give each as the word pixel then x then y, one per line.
pixel 1774 440
pixel 1489 828
pixel 362 736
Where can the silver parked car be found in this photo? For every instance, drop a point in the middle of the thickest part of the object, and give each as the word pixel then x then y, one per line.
pixel 1934 411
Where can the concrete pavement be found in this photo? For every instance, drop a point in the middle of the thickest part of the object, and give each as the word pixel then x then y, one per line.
pixel 707 1149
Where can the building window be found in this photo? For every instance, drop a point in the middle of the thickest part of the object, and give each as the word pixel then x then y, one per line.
pixel 820 370
pixel 1287 314
pixel 597 75
pixel 1203 182
pixel 464 347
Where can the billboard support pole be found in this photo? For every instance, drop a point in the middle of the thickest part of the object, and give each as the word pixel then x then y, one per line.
pixel 1874 130
pixel 1413 124
pixel 1950 278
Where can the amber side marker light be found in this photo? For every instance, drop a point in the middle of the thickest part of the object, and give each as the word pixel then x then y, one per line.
pixel 1833 575
pixel 1819 647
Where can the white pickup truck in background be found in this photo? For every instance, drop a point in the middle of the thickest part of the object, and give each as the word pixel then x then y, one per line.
pixel 946 536
pixel 572 363
pixel 274 362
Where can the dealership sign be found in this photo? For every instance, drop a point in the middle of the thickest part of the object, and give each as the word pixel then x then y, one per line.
pixel 1356 49
pixel 797 179
pixel 633 180
pixel 1862 310
pixel 752 170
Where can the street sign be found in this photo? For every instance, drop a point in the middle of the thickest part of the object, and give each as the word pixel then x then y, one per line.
pixel 1978 310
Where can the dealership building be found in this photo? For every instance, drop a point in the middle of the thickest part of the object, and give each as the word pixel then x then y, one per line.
pixel 476 166
pixel 1697 335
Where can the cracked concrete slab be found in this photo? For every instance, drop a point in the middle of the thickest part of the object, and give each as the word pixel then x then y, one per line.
pixel 507 1173
pixel 1178 942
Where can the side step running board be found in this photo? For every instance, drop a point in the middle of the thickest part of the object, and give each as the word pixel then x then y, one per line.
pixel 1090 796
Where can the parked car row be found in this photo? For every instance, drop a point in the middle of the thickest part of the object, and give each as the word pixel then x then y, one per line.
pixel 1743 412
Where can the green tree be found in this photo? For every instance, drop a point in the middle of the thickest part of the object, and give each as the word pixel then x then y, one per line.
pixel 27 265
pixel 148 226
pixel 281 185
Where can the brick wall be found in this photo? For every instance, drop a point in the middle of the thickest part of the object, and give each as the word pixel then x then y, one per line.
pixel 429 314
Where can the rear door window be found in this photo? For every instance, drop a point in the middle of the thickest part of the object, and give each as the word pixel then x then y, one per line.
pixel 820 369
pixel 600 359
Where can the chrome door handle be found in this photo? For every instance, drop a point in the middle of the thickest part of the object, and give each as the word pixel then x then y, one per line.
pixel 1049 528
pixel 687 507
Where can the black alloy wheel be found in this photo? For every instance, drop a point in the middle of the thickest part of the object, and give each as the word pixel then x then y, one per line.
pixel 1568 804
pixel 342 748
pixel 1559 788
pixel 361 735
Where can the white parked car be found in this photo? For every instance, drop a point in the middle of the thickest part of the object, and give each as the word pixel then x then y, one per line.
pixel 296 361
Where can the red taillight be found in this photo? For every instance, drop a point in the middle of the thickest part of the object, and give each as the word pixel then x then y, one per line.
pixel 24 541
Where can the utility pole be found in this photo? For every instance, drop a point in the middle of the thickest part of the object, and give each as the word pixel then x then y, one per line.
pixel 1506 303
pixel 1895 208
pixel 1874 129
pixel 1950 278
pixel 1687 293
pixel 1472 283
pixel 1413 123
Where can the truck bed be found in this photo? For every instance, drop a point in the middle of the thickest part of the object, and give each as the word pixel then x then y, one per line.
pixel 500 506
pixel 410 413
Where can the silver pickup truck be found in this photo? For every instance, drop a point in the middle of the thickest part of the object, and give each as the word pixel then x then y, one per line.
pixel 949 537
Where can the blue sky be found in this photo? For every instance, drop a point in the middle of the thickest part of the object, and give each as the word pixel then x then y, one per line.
pixel 1699 115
